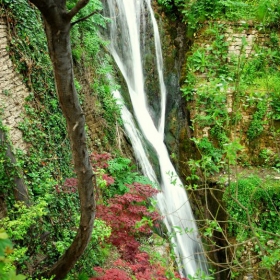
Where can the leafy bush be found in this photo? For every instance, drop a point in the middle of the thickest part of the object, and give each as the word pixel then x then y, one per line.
pixel 117 172
pixel 268 12
pixel 261 199
pixel 171 5
pixel 111 274
pixel 123 213
pixel 256 126
pixel 253 207
pixel 96 253
pixel 7 270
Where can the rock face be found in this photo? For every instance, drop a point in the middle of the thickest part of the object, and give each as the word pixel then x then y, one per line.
pixel 175 45
pixel 12 92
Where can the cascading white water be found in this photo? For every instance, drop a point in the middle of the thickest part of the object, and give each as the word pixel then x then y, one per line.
pixel 127 24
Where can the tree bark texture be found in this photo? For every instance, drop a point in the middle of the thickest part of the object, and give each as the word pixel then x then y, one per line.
pixel 58 24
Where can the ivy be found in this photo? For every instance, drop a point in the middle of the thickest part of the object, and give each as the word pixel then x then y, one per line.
pixel 260 198
pixel 256 126
pixel 7 169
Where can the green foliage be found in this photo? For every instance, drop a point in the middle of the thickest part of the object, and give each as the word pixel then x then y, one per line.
pixel 96 253
pixel 93 5
pixel 21 225
pixel 43 126
pixel 7 168
pixel 171 5
pixel 268 11
pixel 219 90
pixel 260 200
pixel 25 218
pixel 26 224
pixel 211 226
pixel 211 156
pixel 166 3
pixel 87 50
pixel 46 228
pixel 196 13
pixel 188 89
pixel 199 61
pixel 200 275
pixel 243 191
pixel 273 86
pixel 256 126
pixel 100 231
pixel 231 150
pixel 107 105
pixel 5 262
pixel 124 173
pixel 5 245
pixel 212 59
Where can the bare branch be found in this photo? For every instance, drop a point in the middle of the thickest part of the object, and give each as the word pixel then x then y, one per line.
pixel 77 8
pixel 84 18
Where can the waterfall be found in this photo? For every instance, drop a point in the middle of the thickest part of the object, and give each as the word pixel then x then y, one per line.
pixel 128 22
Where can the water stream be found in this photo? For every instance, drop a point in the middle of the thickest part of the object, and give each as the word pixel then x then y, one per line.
pixel 129 21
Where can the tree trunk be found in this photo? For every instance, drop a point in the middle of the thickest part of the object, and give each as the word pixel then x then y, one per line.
pixel 58 25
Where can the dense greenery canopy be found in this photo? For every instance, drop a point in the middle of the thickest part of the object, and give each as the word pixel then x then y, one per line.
pixel 233 103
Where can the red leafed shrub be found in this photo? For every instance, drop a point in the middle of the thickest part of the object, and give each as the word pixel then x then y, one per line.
pixel 111 274
pixel 109 179
pixel 100 160
pixel 123 213
pixel 142 269
pixel 69 186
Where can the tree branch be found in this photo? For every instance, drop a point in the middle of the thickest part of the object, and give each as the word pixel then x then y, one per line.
pixel 82 19
pixel 77 8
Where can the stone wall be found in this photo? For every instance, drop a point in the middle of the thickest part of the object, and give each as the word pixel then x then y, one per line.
pixel 237 33
pixel 239 36
pixel 12 92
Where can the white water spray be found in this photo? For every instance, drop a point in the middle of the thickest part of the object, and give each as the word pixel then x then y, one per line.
pixel 125 29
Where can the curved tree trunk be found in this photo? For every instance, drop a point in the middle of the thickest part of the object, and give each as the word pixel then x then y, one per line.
pixel 58 25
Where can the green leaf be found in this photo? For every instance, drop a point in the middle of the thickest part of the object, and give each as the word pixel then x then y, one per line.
pixel 3 235
pixel 12 276
pixel 5 245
